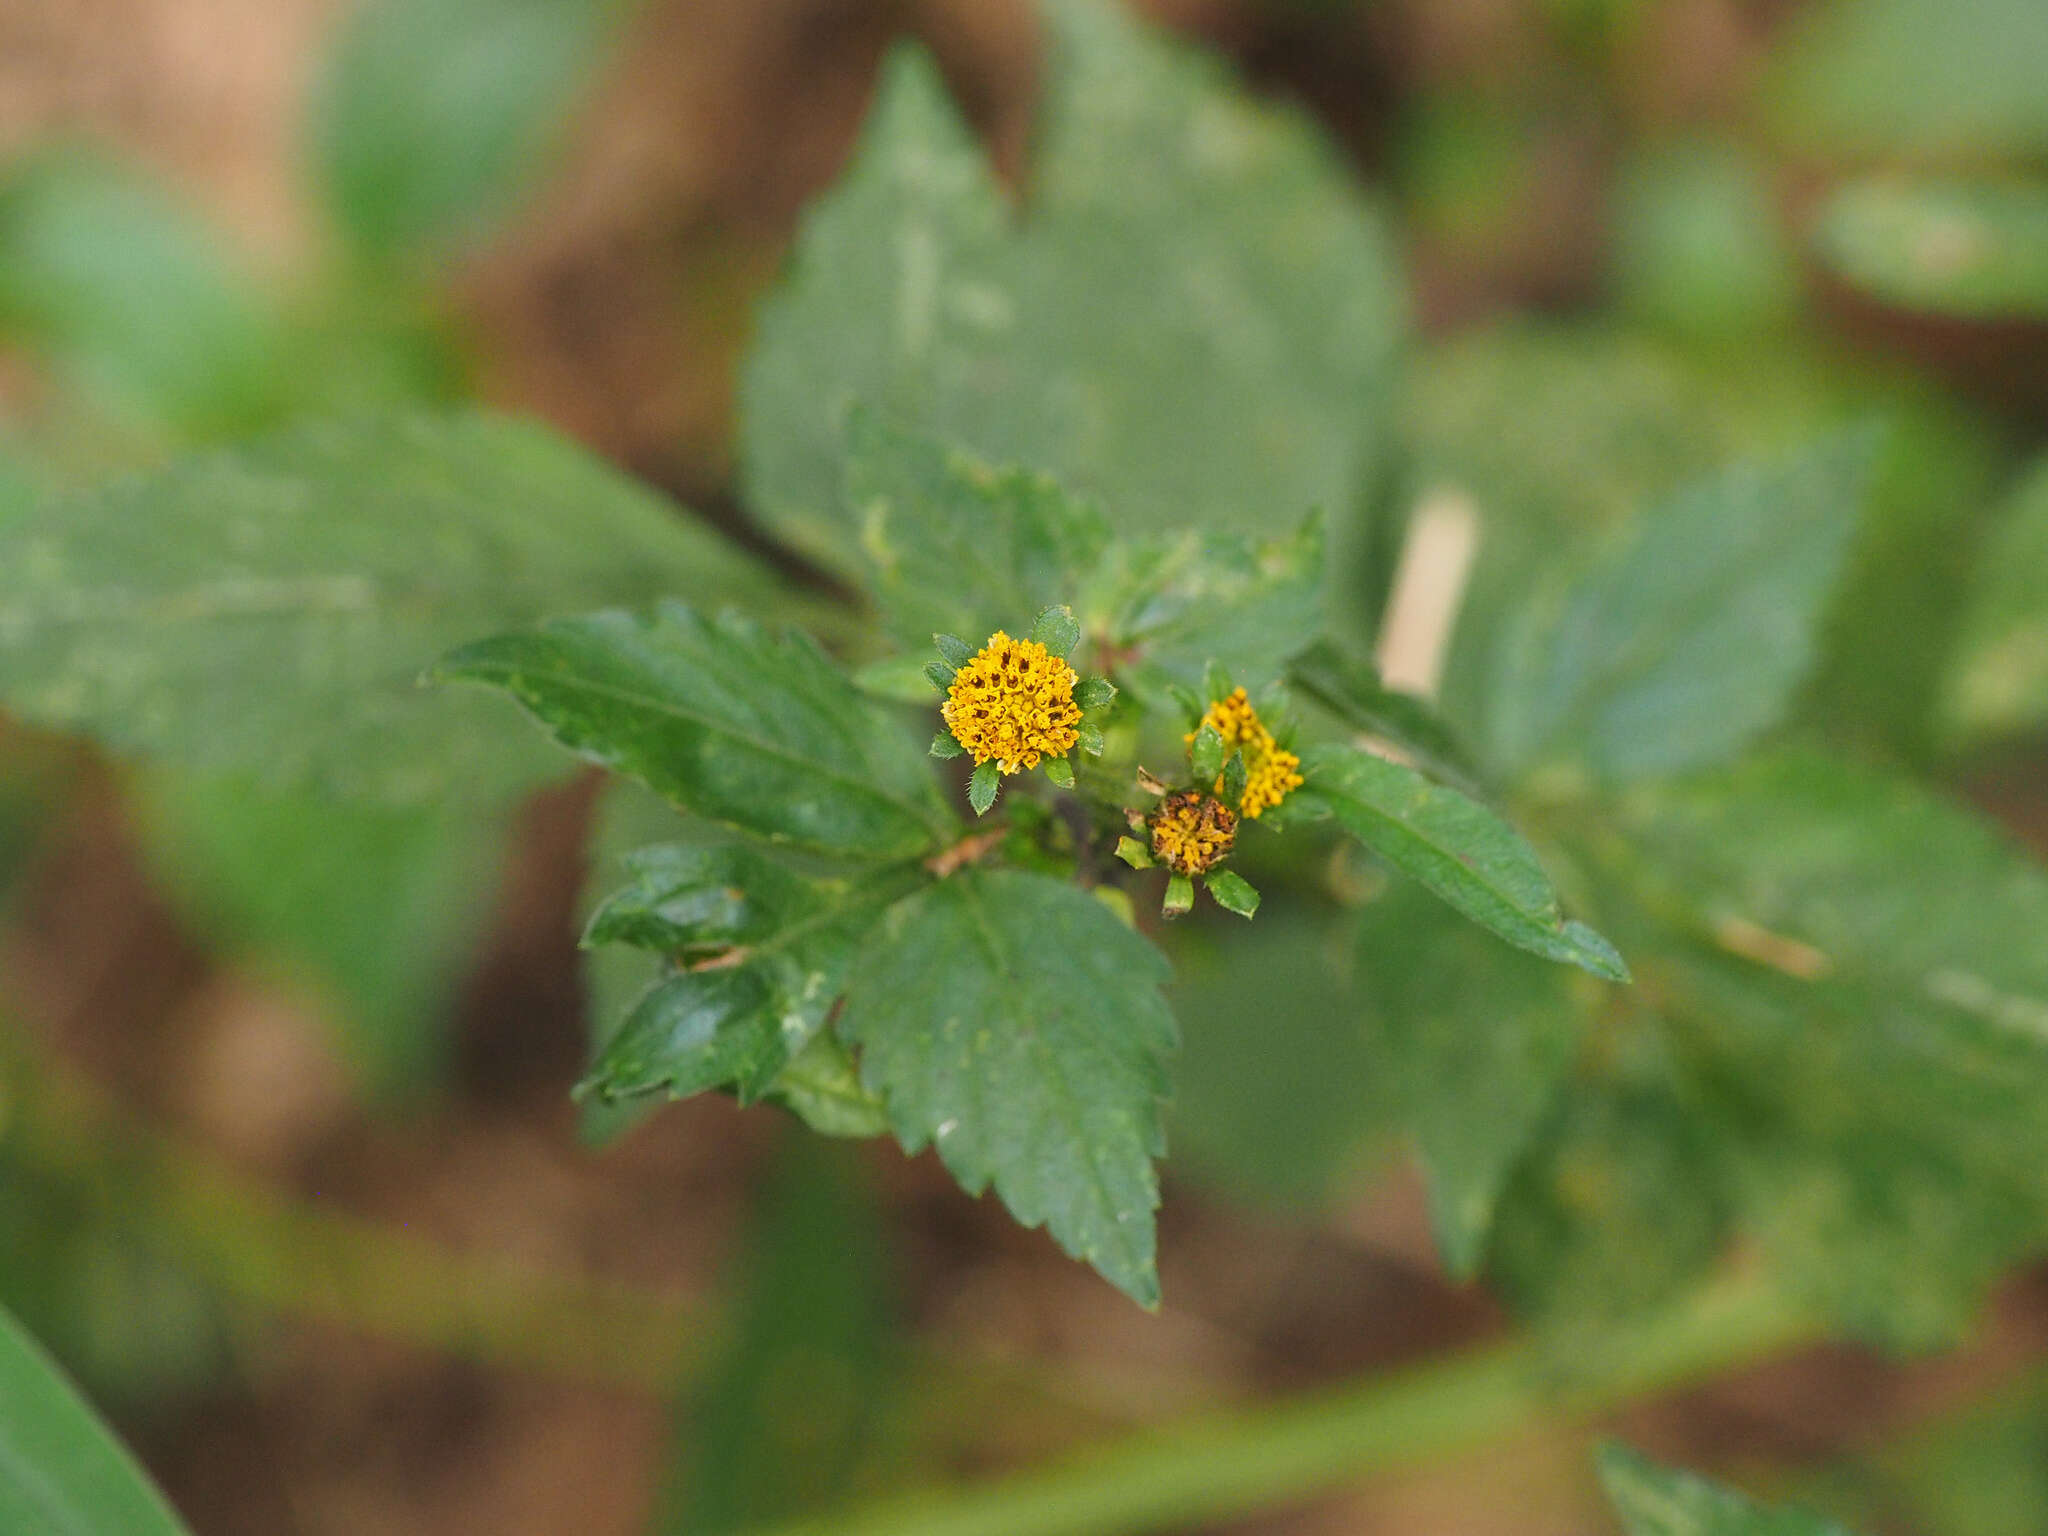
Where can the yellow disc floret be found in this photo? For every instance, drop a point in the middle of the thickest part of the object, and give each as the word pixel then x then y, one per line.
pixel 1270 769
pixel 1192 832
pixel 1013 701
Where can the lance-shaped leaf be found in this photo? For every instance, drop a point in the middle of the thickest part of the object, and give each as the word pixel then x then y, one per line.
pixel 267 610
pixel 724 718
pixel 1687 643
pixel 1192 318
pixel 1458 849
pixel 1660 1501
pixel 1013 1022
pixel 762 953
pixel 1352 691
pixel 61 1470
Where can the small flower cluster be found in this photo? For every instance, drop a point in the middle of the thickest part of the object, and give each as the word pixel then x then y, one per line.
pixel 1016 703
pixel 1271 771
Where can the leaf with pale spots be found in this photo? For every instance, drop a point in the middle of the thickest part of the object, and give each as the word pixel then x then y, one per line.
pixel 1012 1021
pixel 1457 848
pixel 724 719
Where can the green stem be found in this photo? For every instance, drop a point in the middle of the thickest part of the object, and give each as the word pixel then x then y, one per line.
pixel 1221 1465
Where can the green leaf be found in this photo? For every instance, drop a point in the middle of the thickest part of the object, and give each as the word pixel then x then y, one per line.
pixel 783 1425
pixel 1687 642
pixel 938 675
pixel 1974 249
pixel 1859 981
pixel 1948 79
pixel 694 900
pixel 1458 849
pixel 2000 681
pixel 1060 772
pixel 723 718
pixel 133 299
pixel 1013 1022
pixel 1235 776
pixel 267 610
pixel 982 787
pixel 696 1030
pixel 951 542
pixel 1194 317
pixel 1094 693
pixel 822 1087
pixel 61 1471
pixel 1205 755
pixel 1700 250
pixel 434 114
pixel 1179 899
pixel 1089 737
pixel 1352 692
pixel 1134 853
pixel 1233 892
pixel 945 747
pixel 1187 599
pixel 1057 630
pixel 1471 1044
pixel 377 909
pixel 1659 1501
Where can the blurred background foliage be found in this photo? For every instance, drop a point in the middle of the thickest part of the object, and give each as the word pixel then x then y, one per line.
pixel 288 1174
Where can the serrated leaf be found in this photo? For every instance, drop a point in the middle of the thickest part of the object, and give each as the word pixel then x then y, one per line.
pixel 1974 249
pixel 376 909
pixel 133 299
pixel 1094 693
pixel 1352 692
pixel 1184 601
pixel 267 610
pixel 2000 679
pixel 433 114
pixel 1660 1501
pixel 1011 1021
pixel 1232 891
pixel 1471 1043
pixel 696 1030
pixel 692 899
pixel 1057 630
pixel 1205 755
pixel 946 748
pixel 1457 848
pixel 61 1470
pixel 1864 991
pixel 982 787
pixel 1686 643
pixel 1193 319
pixel 724 718
pixel 951 542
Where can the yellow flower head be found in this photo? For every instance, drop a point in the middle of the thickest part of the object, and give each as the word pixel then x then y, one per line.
pixel 1270 769
pixel 1013 700
pixel 1192 832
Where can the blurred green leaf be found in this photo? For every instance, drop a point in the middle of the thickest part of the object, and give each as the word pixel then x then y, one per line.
pixel 376 908
pixel 266 610
pixel 1932 79
pixel 433 115
pixel 1353 693
pixel 954 544
pixel 1471 1042
pixel 61 1471
pixel 133 300
pixel 1864 1004
pixel 2000 679
pixel 1658 1501
pixel 1687 642
pixel 821 1086
pixel 1191 321
pixel 785 1421
pixel 1982 1471
pixel 1699 251
pixel 750 728
pixel 1458 849
pixel 1011 1021
pixel 1977 249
